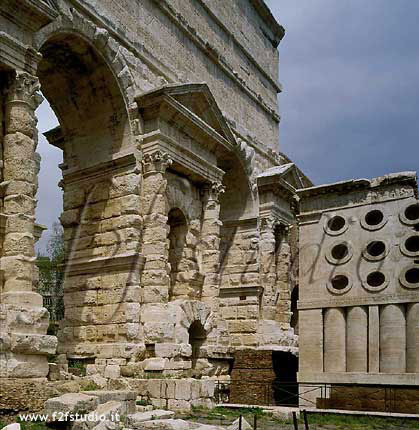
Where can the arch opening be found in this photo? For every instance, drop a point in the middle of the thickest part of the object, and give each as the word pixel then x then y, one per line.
pixel 86 98
pixel 93 128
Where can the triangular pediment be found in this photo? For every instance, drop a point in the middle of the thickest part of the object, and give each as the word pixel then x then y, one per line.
pixel 286 173
pixel 195 101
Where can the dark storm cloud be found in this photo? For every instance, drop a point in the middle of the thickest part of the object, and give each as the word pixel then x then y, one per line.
pixel 350 72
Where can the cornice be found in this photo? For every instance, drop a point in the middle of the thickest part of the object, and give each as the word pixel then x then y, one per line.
pixel 248 55
pixel 214 55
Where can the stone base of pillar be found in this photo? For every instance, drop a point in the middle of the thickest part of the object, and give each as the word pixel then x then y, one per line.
pixel 24 344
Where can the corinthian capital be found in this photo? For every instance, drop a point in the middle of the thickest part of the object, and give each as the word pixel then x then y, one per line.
pixel 24 87
pixel 156 162
pixel 213 190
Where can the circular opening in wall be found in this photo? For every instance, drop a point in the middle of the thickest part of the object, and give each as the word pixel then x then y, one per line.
pixel 374 218
pixel 340 282
pixel 412 244
pixel 412 275
pixel 336 223
pixel 376 248
pixel 412 212
pixel 376 279
pixel 340 251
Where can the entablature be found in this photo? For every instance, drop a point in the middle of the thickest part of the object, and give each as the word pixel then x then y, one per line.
pixel 185 122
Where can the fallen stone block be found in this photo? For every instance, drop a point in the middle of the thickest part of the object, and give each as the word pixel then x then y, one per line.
pixel 72 403
pixel 136 420
pixel 126 398
pixel 14 426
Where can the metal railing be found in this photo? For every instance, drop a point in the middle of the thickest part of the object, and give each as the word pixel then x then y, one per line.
pixel 372 398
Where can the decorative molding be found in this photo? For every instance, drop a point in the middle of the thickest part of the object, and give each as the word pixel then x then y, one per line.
pixel 100 171
pixel 23 88
pixel 382 299
pixel 213 190
pixel 215 56
pixel 133 261
pixel 184 160
pixel 248 55
pixel 17 55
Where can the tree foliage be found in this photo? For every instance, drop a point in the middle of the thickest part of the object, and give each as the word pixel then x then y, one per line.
pixel 51 270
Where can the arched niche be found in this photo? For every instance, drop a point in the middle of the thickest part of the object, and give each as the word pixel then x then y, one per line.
pixel 177 241
pixel 237 201
pixel 197 336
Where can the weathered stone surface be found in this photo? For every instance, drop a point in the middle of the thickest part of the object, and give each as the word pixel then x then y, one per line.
pixel 72 403
pixel 136 420
pixel 180 215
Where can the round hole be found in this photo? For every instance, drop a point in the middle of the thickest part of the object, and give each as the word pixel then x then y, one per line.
pixel 412 212
pixel 336 223
pixel 374 217
pixel 412 244
pixel 412 275
pixel 340 251
pixel 376 248
pixel 340 282
pixel 376 279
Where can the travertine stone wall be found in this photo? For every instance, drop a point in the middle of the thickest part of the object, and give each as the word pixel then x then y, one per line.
pixel 141 139
pixel 193 47
pixel 359 282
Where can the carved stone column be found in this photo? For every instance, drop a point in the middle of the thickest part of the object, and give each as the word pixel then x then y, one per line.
pixel 25 321
pixel 155 277
pixel 210 239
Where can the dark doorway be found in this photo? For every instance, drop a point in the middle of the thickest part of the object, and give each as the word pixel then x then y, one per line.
pixel 294 310
pixel 285 385
pixel 197 336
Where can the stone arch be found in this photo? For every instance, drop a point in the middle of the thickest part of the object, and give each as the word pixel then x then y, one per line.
pixel 182 194
pixel 87 99
pixel 95 134
pixel 188 312
pixel 111 51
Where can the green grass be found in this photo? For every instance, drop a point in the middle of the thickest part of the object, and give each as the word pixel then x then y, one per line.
pixel 360 422
pixel 91 386
pixel 317 421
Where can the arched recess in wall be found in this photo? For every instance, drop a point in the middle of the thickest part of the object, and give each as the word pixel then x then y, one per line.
pixel 85 96
pixel 197 336
pixel 236 203
pixel 178 229
pixel 237 200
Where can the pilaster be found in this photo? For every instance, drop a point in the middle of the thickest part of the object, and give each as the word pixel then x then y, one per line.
pixel 155 277
pixel 210 238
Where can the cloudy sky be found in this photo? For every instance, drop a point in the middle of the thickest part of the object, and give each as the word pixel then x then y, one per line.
pixel 350 76
pixel 350 105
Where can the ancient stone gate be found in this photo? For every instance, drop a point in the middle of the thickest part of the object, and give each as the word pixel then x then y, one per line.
pixel 176 220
